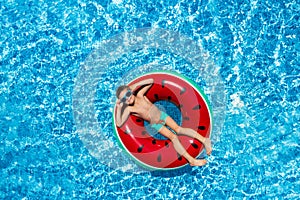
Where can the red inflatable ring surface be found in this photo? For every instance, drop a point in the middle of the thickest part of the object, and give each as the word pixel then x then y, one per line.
pixel 159 154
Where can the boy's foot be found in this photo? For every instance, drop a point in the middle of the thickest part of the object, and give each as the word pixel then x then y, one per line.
pixel 207 145
pixel 198 162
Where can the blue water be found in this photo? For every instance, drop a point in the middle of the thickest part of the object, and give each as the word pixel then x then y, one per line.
pixel 48 50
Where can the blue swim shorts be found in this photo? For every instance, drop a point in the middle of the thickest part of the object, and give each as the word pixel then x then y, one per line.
pixel 163 117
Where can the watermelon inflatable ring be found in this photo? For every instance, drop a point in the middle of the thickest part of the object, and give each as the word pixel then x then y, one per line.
pixel 158 154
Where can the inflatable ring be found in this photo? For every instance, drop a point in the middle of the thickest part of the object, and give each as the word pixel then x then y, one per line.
pixel 159 154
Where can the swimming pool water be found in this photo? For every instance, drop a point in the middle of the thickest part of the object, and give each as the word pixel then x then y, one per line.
pixel 44 47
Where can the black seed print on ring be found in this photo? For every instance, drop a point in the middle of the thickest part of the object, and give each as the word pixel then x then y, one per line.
pixel 140 149
pixel 163 83
pixel 159 158
pixel 195 145
pixel 202 128
pixel 197 107
pixel 127 131
pixel 179 157
pixel 186 118
pixel 138 120
pixel 144 132
pixel 182 91
pixel 167 144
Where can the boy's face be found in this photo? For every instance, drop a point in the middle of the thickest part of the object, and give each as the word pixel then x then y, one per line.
pixel 126 96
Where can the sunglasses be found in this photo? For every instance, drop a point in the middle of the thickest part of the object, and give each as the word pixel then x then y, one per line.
pixel 126 96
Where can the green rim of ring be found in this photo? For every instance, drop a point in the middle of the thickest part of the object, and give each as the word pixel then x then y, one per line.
pixel 194 85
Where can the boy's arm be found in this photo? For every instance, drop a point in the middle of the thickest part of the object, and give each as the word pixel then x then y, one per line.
pixel 121 117
pixel 141 83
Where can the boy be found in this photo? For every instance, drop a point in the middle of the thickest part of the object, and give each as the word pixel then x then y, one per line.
pixel 136 103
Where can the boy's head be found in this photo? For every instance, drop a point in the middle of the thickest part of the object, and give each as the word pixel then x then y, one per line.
pixel 120 89
pixel 124 93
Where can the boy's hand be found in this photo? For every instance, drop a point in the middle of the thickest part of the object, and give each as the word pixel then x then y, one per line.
pixel 119 103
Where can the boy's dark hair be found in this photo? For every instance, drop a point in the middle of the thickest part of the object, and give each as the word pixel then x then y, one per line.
pixel 120 89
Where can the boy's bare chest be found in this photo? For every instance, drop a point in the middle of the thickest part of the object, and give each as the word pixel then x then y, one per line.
pixel 141 106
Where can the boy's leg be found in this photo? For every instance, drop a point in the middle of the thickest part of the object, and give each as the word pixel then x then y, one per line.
pixel 189 132
pixel 180 149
